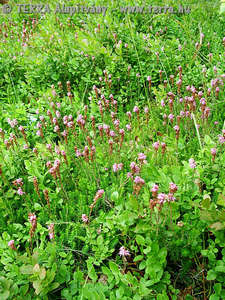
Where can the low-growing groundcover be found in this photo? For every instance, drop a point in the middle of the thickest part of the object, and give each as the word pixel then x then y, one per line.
pixel 112 154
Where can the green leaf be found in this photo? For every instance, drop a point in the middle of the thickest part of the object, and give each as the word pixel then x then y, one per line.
pixel 62 254
pixel 115 196
pixel 108 273
pixel 214 297
pixel 37 206
pixel 114 268
pixel 206 201
pixel 140 240
pixel 37 286
pixel 36 268
pixel 217 287
pixel 54 286
pixel 222 8
pixel 138 258
pixel 42 274
pixel 220 269
pixel 5 295
pixel 91 272
pixel 221 200
pixel 211 275
pixel 26 269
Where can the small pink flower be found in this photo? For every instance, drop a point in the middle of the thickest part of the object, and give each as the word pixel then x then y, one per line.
pixel 121 131
pixel 170 197
pixel 117 122
pixel 120 166
pixel 156 146
pixel 51 231
pixel 11 244
pixel 173 188
pixel 115 168
pixel 171 117
pixel 128 127
pixel 20 191
pixel 176 128
pixel 129 175
pixel 128 113
pixel 48 164
pixel 100 193
pixel 182 113
pixel 139 180
pixel 136 109
pixel 221 139
pixel 112 133
pixel 161 197
pixel 141 157
pixel 155 188
pixel 18 181
pixel 123 252
pixel 192 163
pixel 84 218
pixel 134 168
pixel 78 153
pixel 213 152
pixel 64 133
pixel 58 115
pixel 56 128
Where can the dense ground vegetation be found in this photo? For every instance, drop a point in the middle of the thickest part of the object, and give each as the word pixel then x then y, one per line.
pixel 112 154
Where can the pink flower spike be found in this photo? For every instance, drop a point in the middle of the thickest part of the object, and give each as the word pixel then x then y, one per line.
pixel 128 127
pixel 162 198
pixel 192 163
pixel 136 109
pixel 213 152
pixel 100 192
pixel 84 218
pixel 11 244
pixel 20 192
pixel 141 157
pixel 156 146
pixel 173 188
pixel 155 188
pixel 115 168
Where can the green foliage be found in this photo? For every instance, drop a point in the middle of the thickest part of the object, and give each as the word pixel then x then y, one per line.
pixel 63 77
